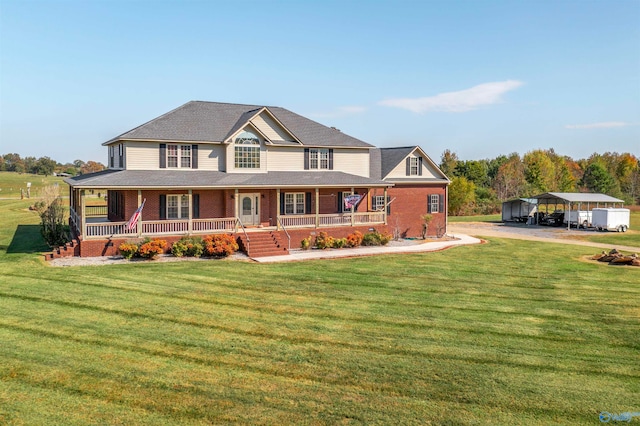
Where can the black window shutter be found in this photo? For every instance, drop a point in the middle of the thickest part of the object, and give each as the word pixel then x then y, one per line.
pixel 194 156
pixel 441 200
pixel 282 203
pixel 307 202
pixel 429 203
pixel 163 206
pixel 121 155
pixel 331 159
pixel 340 203
pixel 306 158
pixel 408 166
pixel 419 166
pixel 195 200
pixel 163 155
pixel 388 205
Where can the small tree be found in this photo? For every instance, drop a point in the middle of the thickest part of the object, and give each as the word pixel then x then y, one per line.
pixel 52 213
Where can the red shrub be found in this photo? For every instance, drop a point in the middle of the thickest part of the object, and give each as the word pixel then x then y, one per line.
pixel 219 245
pixel 355 239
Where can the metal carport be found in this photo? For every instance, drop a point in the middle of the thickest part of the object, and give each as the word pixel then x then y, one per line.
pixel 579 198
pixel 518 208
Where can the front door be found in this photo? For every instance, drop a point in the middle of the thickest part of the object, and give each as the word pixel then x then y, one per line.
pixel 250 209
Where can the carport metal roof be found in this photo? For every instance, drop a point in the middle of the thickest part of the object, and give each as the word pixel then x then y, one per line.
pixel 576 197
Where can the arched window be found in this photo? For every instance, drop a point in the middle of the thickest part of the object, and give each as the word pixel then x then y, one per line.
pixel 247 151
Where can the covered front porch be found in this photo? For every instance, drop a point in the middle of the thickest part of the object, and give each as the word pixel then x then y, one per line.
pixel 206 211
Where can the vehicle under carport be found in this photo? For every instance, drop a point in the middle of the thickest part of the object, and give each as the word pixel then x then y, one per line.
pixel 576 199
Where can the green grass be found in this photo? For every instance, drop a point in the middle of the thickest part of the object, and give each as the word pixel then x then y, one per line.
pixel 11 183
pixel 474 335
pixel 478 218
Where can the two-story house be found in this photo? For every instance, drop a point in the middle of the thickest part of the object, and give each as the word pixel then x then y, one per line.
pixel 210 167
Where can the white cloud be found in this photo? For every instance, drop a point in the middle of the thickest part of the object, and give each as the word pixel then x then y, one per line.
pixel 461 101
pixel 341 112
pixel 604 125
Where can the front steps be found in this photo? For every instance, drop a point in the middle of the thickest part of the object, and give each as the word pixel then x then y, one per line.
pixel 262 244
pixel 70 249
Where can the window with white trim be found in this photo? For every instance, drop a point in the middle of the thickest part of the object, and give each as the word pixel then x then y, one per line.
pixel 247 151
pixel 179 156
pixel 177 206
pixel 414 169
pixel 318 158
pixel 377 203
pixel 434 202
pixel 294 203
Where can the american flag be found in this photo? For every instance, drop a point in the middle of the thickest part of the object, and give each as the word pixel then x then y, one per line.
pixel 134 218
pixel 351 201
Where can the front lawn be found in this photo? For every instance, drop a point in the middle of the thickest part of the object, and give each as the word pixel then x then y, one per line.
pixel 486 334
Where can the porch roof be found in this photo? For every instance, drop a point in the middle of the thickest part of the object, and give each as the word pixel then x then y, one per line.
pixel 150 179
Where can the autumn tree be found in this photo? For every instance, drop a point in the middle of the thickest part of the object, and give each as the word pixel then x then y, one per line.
pixel 539 170
pixel 462 196
pixel 510 181
pixel 448 162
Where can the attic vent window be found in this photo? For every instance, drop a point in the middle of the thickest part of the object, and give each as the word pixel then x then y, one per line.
pixel 247 151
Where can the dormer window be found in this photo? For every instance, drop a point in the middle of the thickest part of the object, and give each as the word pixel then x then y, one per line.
pixel 247 151
pixel 414 166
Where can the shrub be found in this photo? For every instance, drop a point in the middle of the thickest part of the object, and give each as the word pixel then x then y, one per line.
pixel 151 249
pixel 188 246
pixel 128 250
pixel 355 239
pixel 220 245
pixel 339 242
pixel 375 239
pixel 305 243
pixel 323 240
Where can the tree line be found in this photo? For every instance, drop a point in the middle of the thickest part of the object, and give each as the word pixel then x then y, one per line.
pixel 46 166
pixel 480 186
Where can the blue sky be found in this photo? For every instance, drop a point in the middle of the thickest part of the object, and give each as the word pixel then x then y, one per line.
pixel 481 78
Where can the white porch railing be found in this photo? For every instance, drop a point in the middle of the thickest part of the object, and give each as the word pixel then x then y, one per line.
pixel 108 230
pixel 75 220
pixel 95 230
pixel 328 220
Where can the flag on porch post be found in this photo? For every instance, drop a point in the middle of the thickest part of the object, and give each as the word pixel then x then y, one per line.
pixel 134 218
pixel 351 201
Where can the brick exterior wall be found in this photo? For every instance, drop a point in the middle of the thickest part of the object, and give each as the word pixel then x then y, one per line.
pixel 410 203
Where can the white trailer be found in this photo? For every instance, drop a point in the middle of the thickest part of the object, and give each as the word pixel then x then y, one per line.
pixel 579 218
pixel 611 219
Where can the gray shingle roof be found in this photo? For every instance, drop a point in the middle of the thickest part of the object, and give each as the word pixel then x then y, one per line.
pixel 198 121
pixel 391 157
pixel 212 179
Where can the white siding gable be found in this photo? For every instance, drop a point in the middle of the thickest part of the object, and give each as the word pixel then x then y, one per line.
pixel 270 128
pixel 400 171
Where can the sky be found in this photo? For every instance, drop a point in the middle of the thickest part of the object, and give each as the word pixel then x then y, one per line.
pixel 480 78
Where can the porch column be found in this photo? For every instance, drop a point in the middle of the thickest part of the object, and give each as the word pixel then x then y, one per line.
pixel 236 195
pixel 317 207
pixel 139 221
pixel 278 209
pixel 83 220
pixel 353 209
pixel 190 225
pixel 384 210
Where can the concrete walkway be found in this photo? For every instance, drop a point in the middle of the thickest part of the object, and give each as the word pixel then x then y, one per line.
pixel 299 255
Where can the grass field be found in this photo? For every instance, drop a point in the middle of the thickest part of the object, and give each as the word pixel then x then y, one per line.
pixel 11 183
pixel 475 335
